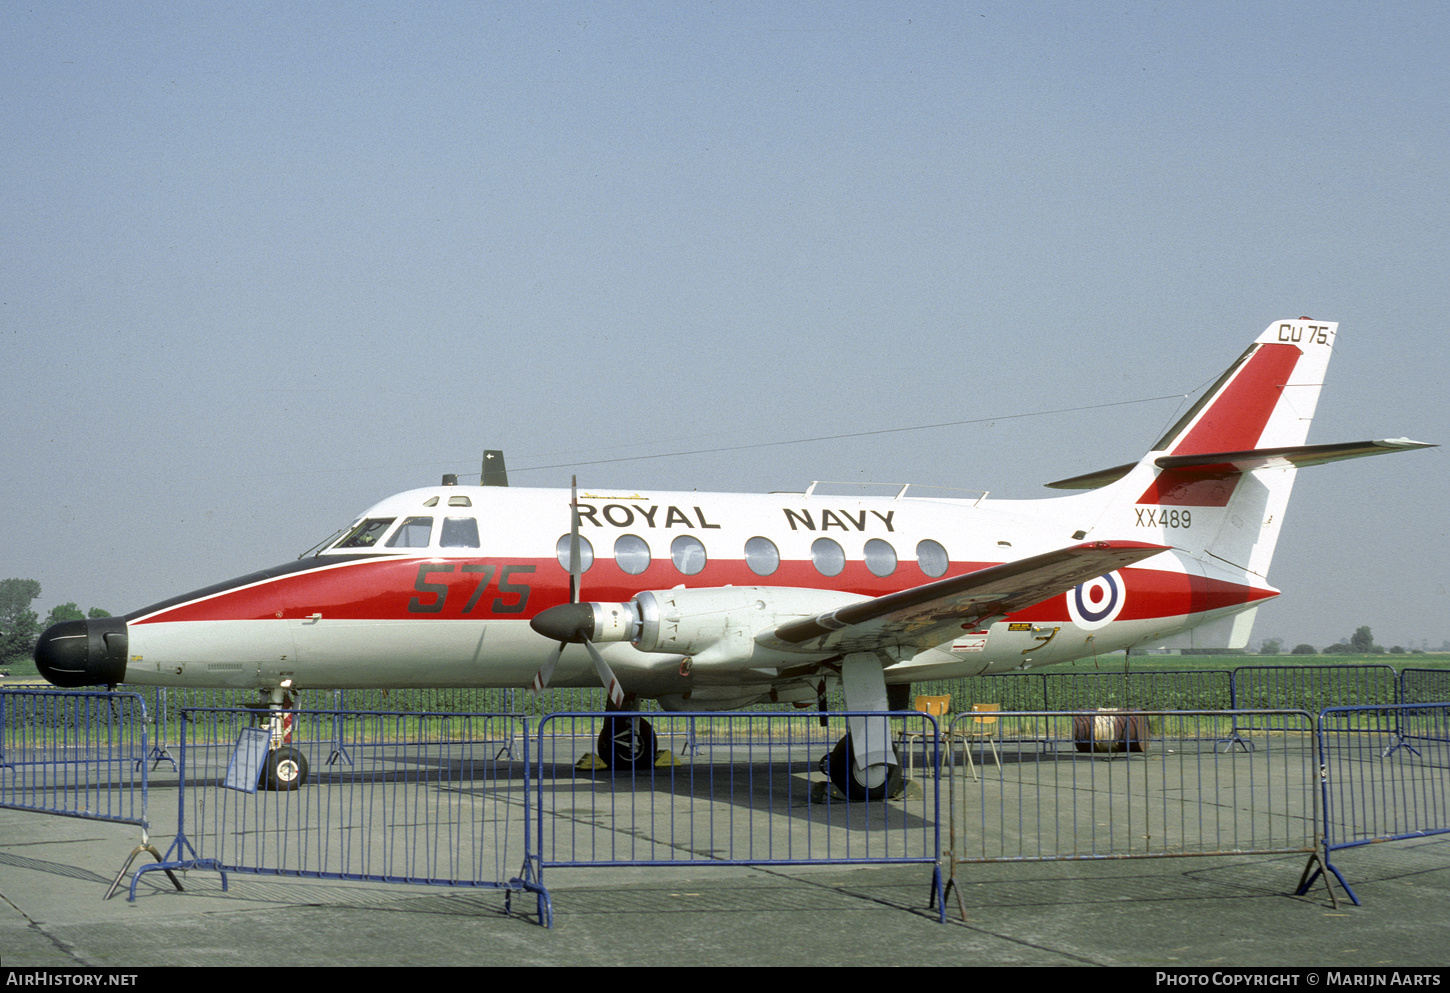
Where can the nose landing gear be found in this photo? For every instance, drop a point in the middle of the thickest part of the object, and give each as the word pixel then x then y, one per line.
pixel 286 767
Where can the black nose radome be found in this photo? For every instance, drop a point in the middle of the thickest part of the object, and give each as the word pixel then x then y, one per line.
pixel 83 653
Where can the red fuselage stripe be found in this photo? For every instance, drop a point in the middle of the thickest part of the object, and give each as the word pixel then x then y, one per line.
pixel 493 589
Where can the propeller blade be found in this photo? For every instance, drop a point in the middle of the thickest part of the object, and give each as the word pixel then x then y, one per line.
pixel 575 573
pixel 571 620
pixel 606 676
pixel 546 671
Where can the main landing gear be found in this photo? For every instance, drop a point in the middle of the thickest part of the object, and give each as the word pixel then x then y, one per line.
pixel 876 782
pixel 627 741
pixel 864 764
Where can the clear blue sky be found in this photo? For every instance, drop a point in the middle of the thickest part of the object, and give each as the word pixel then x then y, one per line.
pixel 268 263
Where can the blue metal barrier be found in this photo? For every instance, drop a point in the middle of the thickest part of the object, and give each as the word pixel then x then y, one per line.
pixel 76 753
pixel 1312 687
pixel 1126 784
pixel 1385 776
pixel 1424 686
pixel 751 791
pixel 1175 689
pixel 426 798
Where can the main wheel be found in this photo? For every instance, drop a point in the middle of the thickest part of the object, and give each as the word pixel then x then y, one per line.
pixel 841 767
pixel 627 742
pixel 286 769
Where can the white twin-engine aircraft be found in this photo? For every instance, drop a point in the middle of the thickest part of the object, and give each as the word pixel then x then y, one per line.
pixel 710 601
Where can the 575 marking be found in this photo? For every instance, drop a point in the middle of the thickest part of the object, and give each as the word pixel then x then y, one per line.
pixel 1163 517
pixel 437 593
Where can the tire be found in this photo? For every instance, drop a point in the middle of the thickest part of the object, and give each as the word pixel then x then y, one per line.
pixel 286 769
pixel 627 742
pixel 841 768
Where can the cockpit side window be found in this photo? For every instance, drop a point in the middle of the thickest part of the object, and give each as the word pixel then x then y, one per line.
pixel 366 534
pixel 459 532
pixel 412 533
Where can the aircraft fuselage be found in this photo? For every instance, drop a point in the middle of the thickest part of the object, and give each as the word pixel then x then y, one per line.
pixel 375 612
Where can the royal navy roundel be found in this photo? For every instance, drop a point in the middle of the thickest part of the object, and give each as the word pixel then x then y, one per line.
pixel 1095 603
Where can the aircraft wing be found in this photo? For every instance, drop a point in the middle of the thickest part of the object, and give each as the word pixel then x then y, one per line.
pixel 929 615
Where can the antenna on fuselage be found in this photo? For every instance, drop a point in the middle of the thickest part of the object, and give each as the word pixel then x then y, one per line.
pixel 494 473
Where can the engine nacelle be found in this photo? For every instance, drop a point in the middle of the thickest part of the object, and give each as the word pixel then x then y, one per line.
pixel 721 622
pixel 715 625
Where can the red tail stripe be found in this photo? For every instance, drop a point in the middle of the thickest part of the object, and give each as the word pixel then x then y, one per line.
pixel 1236 419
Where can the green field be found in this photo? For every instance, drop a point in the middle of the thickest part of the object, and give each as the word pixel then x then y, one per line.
pixel 1157 682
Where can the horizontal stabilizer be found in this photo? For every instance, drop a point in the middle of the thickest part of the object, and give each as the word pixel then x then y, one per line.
pixel 1297 456
pixel 1093 480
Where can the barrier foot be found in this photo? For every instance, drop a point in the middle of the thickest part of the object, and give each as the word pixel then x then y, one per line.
pixel 115 884
pixel 1322 867
pixel 544 906
pixel 166 867
pixel 952 885
pixel 1400 742
pixel 1234 740
pixel 938 897
pixel 159 755
pixel 531 880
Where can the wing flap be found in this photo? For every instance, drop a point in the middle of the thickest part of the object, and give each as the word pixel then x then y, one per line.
pixel 928 615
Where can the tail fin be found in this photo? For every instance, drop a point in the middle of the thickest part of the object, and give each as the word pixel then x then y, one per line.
pixel 1216 485
pixel 1264 400
pixel 1191 490
pixel 1211 507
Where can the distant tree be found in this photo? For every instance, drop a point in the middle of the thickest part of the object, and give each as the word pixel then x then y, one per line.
pixel 1303 650
pixel 1271 646
pixel 1362 641
pixel 1397 650
pixel 63 612
pixel 1338 648
pixel 70 612
pixel 19 625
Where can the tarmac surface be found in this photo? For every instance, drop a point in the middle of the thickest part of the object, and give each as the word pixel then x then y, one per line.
pixel 1209 912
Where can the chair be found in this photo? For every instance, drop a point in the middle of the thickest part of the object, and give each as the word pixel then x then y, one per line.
pixel 934 706
pixel 984 726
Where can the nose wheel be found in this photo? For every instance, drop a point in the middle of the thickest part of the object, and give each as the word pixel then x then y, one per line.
pixel 286 769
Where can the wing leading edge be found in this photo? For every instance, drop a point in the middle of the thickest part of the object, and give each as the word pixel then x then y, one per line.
pixel 926 616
